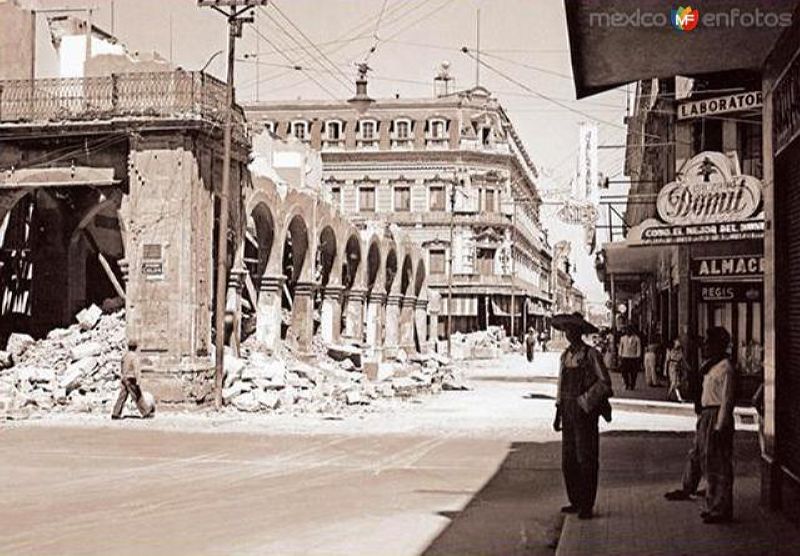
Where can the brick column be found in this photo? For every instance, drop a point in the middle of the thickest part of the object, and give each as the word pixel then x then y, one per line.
pixel 233 307
pixel 407 324
pixel 269 312
pixel 354 314
pixel 302 327
pixel 375 320
pixel 392 342
pixel 421 324
pixel 332 313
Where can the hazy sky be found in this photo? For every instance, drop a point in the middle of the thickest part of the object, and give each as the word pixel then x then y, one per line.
pixel 524 39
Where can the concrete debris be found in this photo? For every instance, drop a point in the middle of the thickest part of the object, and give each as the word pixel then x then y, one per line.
pixel 76 369
pixel 89 317
pixel 18 343
pixel 484 344
pixel 6 360
pixel 70 370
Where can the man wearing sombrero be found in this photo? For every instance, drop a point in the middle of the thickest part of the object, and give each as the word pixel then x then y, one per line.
pixel 584 387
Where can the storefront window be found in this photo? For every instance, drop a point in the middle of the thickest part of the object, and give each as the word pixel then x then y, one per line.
pixel 706 135
pixel 748 134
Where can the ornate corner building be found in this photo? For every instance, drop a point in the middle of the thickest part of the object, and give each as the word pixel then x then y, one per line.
pixel 451 172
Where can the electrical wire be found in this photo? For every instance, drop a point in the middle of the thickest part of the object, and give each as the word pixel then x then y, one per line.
pixel 310 76
pixel 347 79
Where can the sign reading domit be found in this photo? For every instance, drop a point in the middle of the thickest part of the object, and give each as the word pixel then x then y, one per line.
pixel 710 201
pixel 707 192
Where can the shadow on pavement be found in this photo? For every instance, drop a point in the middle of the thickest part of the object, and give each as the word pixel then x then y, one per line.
pixel 517 510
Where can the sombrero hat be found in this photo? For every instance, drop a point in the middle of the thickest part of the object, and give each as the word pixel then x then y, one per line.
pixel 566 321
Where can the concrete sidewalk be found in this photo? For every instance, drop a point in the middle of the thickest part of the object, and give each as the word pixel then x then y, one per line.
pixel 632 516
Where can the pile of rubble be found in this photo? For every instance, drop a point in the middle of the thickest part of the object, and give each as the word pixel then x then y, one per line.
pixel 76 369
pixel 72 369
pixel 484 344
pixel 333 381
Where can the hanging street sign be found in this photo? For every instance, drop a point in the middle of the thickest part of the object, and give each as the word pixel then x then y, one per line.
pixel 710 201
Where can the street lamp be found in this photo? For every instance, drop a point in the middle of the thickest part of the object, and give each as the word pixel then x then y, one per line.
pixel 235 19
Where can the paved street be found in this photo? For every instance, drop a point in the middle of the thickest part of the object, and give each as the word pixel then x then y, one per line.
pixel 462 472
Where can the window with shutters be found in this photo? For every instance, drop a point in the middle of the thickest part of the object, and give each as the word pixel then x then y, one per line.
pixel 485 264
pixel 402 198
pixel 437 198
pixel 366 199
pixel 437 261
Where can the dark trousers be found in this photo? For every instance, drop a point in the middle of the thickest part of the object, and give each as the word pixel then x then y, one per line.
pixel 529 352
pixel 129 386
pixel 579 454
pixel 629 366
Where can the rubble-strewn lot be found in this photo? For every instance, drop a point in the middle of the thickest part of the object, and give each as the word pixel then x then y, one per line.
pixel 76 369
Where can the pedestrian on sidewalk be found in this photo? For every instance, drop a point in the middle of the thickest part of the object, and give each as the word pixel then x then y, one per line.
pixel 130 376
pixel 630 354
pixel 584 387
pixel 651 363
pixel 530 344
pixel 712 453
pixel 543 340
pixel 675 371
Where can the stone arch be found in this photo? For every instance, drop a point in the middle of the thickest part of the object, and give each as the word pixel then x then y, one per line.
pixel 352 265
pixel 389 273
pixel 326 255
pixel 95 248
pixel 296 250
pixel 420 279
pixel 406 274
pixel 259 239
pixel 373 265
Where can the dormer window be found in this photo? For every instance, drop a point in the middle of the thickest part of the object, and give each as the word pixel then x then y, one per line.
pixel 437 129
pixel 367 133
pixel 334 134
pixel 401 133
pixel 333 130
pixel 436 133
pixel 300 130
pixel 367 130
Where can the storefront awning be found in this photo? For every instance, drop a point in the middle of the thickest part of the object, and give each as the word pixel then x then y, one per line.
pixel 622 258
pixel 620 41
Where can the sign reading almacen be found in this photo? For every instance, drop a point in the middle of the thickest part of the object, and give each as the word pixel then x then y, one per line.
pixel 708 192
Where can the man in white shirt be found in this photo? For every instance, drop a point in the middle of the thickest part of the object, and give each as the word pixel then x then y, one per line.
pixel 630 355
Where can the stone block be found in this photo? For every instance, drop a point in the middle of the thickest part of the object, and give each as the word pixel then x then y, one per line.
pixel 246 401
pixel 34 375
pixel 6 360
pixel 354 397
pixel 84 350
pixel 268 400
pixel 18 343
pixel 71 378
pixel 59 333
pixel 233 367
pixel 88 318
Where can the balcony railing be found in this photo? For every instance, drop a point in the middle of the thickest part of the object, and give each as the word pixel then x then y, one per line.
pixel 179 94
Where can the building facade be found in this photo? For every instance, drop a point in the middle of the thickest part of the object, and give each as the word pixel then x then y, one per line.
pixel 451 172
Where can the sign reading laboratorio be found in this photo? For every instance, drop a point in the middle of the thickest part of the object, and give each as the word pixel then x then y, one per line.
pixel 720 105
pixel 735 266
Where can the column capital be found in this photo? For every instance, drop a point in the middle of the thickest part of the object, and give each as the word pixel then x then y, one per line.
pixel 394 299
pixel 409 300
pixel 271 284
pixel 356 294
pixel 304 288
pixel 333 291
pixel 377 297
pixel 421 303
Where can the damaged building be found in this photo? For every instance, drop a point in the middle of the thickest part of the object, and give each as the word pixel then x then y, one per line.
pixel 109 196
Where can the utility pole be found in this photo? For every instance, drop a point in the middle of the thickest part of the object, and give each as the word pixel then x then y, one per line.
pixel 513 307
pixel 235 19
pixel 450 269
